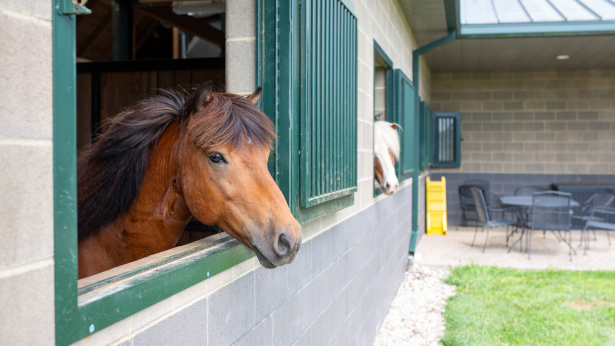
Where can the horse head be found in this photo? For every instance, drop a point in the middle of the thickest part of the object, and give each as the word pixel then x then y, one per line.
pixel 386 149
pixel 225 180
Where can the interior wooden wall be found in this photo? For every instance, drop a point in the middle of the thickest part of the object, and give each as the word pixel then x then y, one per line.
pixel 120 89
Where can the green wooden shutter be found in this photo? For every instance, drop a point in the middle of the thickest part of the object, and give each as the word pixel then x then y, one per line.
pixel 447 140
pixel 425 136
pixel 405 110
pixel 328 155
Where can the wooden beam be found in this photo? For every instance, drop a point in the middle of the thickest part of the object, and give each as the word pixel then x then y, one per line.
pixel 186 23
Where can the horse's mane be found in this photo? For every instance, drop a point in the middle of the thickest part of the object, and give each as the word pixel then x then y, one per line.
pixel 384 132
pixel 111 170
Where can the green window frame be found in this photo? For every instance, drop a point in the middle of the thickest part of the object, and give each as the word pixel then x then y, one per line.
pixel 446 140
pixel 381 58
pixel 425 136
pixel 406 110
pixel 80 312
pixel 310 49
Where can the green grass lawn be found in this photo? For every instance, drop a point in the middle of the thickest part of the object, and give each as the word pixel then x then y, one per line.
pixel 496 306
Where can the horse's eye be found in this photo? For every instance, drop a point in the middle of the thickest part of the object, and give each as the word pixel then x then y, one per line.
pixel 216 158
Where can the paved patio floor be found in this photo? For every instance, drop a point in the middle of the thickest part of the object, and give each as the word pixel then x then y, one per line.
pixel 454 249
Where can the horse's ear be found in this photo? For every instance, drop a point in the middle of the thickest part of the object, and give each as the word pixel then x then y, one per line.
pixel 202 96
pixel 256 95
pixel 395 126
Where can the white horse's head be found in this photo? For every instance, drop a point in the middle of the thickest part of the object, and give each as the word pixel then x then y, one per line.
pixel 386 150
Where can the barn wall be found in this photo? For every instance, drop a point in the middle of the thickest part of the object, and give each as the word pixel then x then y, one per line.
pixel 26 187
pixel 337 291
pixel 340 287
pixel 535 122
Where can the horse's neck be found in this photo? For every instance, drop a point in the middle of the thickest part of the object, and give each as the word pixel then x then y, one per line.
pixel 153 223
pixel 159 215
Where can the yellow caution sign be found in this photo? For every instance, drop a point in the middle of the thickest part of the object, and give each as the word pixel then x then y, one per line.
pixel 436 206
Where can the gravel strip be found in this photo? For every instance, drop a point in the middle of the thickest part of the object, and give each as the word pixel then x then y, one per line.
pixel 415 317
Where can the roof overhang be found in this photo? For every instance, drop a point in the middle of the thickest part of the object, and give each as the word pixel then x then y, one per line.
pixel 491 44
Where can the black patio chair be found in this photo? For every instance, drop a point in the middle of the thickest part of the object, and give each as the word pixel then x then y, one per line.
pixel 599 199
pixel 551 212
pixel 483 211
pixel 596 222
pixel 467 209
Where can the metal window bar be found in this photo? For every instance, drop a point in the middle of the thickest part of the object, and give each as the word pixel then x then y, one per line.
pixel 328 141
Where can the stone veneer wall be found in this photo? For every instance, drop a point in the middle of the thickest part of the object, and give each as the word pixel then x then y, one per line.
pixel 26 187
pixel 555 122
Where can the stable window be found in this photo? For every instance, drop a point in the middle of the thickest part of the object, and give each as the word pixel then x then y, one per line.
pixel 311 49
pixel 86 306
pixel 446 140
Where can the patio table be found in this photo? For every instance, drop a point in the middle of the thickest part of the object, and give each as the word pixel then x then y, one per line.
pixel 526 201
pixel 523 204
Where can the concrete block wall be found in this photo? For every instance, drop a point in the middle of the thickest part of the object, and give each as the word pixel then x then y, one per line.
pixel 26 167
pixel 337 292
pixel 547 122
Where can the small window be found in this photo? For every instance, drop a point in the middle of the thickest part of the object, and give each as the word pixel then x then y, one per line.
pixel 447 140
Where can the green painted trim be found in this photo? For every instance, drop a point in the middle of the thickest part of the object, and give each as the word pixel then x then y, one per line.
pixel 425 140
pixel 451 10
pixel 378 49
pixel 437 43
pixel 64 172
pixel 524 29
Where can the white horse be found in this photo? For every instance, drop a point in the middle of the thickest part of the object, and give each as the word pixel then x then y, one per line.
pixel 386 150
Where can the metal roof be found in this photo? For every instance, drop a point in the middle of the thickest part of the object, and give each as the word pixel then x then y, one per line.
pixel 509 17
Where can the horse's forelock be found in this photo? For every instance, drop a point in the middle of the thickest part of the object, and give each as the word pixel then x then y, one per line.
pixel 388 136
pixel 229 120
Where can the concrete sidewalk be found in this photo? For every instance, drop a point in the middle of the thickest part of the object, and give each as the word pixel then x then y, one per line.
pixel 454 249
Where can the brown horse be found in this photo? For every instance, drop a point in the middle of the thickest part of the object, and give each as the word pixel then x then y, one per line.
pixel 168 159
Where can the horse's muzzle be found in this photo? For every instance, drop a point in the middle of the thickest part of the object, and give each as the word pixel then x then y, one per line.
pixel 282 251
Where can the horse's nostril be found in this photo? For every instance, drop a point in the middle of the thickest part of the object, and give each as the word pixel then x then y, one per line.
pixel 283 245
pixel 387 186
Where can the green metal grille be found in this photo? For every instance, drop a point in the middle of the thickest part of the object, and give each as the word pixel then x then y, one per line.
pixel 447 140
pixel 328 155
pixel 425 135
pixel 407 117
